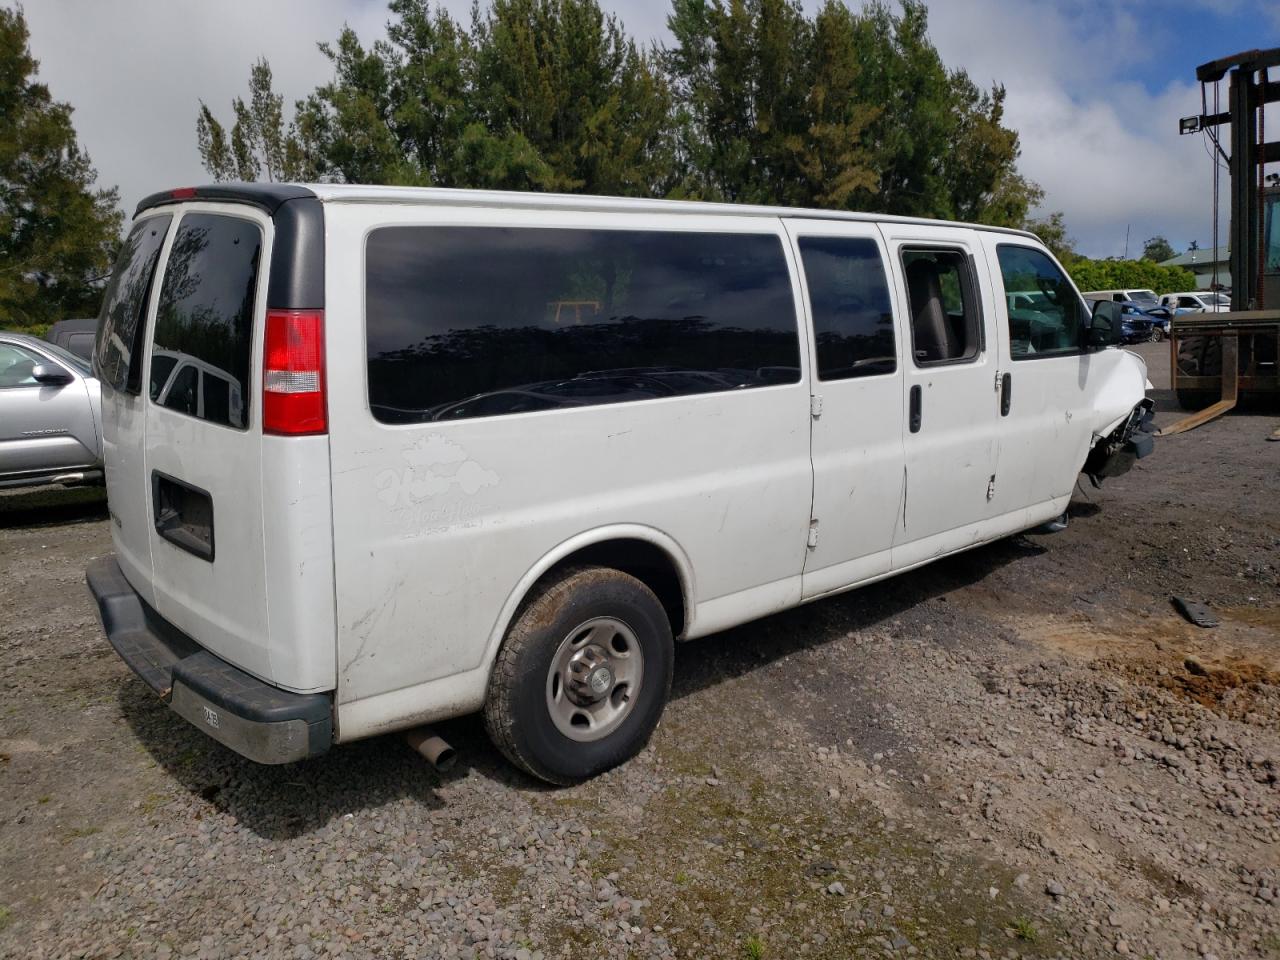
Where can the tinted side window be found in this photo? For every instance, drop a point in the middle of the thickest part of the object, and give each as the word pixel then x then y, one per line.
pixel 1050 325
pixel 946 324
pixel 124 306
pixel 81 344
pixel 849 299
pixel 205 310
pixel 482 321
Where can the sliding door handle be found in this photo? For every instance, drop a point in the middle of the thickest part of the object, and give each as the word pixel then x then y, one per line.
pixel 1006 394
pixel 915 416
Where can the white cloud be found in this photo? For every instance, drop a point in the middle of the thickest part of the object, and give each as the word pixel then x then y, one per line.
pixel 1106 152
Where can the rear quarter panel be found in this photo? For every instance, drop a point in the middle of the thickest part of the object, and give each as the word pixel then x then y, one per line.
pixel 438 526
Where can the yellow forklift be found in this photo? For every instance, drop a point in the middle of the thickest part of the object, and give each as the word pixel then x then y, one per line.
pixel 1225 355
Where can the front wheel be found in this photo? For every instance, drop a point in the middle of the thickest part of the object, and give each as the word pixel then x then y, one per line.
pixel 582 677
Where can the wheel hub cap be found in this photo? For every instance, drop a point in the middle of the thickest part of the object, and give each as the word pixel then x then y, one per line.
pixel 594 678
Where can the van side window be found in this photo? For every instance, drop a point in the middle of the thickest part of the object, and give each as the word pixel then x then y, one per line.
pixel 205 313
pixel 1050 323
pixel 849 300
pixel 117 357
pixel 484 321
pixel 946 324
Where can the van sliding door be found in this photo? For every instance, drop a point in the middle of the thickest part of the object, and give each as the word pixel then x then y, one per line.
pixel 857 423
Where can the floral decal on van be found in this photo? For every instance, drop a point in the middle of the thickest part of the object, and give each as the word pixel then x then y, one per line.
pixel 435 466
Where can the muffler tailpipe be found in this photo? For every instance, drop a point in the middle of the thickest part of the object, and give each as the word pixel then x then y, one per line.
pixel 432 746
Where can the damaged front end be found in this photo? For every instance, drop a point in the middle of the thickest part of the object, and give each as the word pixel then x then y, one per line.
pixel 1116 453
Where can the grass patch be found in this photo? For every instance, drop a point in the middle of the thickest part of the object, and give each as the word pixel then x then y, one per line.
pixel 79 833
pixel 753 948
pixel 45 799
pixel 6 916
pixel 1025 930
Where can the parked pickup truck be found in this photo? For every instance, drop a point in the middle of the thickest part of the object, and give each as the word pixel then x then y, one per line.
pixel 50 415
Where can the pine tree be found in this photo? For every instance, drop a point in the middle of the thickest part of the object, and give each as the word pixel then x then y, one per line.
pixel 58 232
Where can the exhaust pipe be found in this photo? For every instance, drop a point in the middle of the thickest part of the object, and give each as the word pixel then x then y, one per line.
pixel 432 746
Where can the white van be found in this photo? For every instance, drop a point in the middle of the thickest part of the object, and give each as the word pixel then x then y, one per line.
pixel 495 451
pixel 1142 297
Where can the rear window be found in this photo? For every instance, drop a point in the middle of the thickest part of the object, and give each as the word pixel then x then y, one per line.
pixel 125 304
pixel 484 321
pixel 81 344
pixel 205 317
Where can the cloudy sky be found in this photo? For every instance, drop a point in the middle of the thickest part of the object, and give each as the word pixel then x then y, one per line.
pixel 1096 87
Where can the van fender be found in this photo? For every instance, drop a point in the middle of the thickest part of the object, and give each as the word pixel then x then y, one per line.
pixel 588 538
pixel 1124 386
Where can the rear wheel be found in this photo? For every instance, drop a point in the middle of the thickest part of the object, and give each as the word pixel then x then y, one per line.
pixel 582 677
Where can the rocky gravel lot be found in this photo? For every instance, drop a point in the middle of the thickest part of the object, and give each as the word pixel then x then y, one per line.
pixel 1019 752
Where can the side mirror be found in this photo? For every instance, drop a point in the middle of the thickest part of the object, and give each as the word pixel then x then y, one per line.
pixel 50 375
pixel 1104 328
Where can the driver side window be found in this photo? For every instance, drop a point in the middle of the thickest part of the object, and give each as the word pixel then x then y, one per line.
pixel 1046 315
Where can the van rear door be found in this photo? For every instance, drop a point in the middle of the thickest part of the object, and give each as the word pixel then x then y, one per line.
pixel 203 463
pixel 118 365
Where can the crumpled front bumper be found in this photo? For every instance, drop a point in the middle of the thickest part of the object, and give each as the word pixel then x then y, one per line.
pixel 1126 445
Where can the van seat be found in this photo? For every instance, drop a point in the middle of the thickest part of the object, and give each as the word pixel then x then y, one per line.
pixel 931 328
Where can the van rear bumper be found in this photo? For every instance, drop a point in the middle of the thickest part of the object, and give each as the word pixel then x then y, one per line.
pixel 255 719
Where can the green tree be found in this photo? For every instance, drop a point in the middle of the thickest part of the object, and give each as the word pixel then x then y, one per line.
pixel 770 103
pixel 939 144
pixel 753 102
pixel 1158 249
pixel 559 80
pixel 1129 274
pixel 1052 232
pixel 58 232
pixel 258 143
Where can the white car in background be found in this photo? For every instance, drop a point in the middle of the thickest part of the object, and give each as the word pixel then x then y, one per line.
pixel 1197 302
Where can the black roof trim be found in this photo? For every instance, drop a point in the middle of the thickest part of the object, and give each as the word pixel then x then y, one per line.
pixel 265 196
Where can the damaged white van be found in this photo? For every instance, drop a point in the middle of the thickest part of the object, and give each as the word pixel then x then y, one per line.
pixel 382 456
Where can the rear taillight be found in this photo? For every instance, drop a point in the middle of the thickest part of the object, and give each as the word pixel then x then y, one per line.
pixel 293 394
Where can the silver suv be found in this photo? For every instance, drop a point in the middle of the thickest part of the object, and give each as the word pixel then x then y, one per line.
pixel 50 415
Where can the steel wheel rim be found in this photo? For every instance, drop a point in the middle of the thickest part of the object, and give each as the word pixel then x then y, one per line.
pixel 594 679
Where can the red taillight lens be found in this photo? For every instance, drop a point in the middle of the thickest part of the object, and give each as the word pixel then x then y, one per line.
pixel 183 193
pixel 293 394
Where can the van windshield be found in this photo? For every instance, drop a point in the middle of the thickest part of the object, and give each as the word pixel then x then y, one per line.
pixel 1144 297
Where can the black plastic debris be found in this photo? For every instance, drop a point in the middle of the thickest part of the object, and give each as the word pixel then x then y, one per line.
pixel 1194 612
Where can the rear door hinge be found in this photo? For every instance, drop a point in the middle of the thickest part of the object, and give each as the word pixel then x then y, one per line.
pixel 815 405
pixel 813 534
pixel 998 381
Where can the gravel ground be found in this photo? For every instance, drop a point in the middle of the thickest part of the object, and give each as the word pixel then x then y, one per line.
pixel 1022 751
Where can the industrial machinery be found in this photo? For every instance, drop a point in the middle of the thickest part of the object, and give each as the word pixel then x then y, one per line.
pixel 1222 355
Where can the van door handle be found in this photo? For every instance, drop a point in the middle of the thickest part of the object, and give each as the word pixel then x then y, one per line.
pixel 1006 394
pixel 915 409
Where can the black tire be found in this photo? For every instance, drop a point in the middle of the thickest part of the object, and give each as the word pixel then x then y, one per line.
pixel 1195 399
pixel 516 712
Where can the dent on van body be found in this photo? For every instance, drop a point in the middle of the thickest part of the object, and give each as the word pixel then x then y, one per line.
pixel 1122 387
